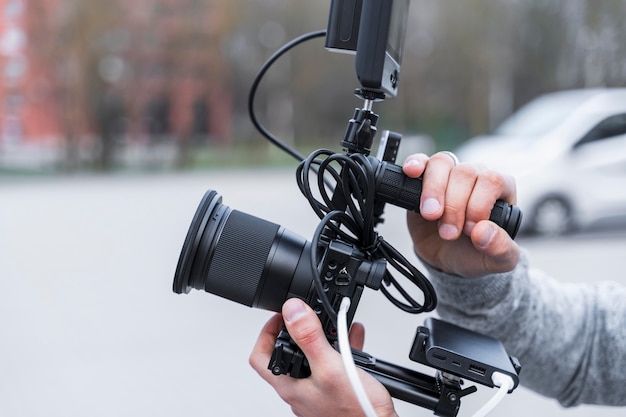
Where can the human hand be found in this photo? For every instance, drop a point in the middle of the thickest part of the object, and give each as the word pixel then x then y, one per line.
pixel 452 232
pixel 327 392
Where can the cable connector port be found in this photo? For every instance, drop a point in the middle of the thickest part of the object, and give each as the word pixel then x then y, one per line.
pixel 477 370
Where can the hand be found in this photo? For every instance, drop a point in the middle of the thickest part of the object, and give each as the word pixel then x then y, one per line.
pixel 452 232
pixel 327 392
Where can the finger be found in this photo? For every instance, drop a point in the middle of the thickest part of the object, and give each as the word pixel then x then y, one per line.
pixel 501 252
pixel 262 351
pixel 414 165
pixel 490 186
pixel 357 336
pixel 434 185
pixel 509 192
pixel 460 187
pixel 306 330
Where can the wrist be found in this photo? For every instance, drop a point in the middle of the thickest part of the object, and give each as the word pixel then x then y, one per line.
pixel 479 302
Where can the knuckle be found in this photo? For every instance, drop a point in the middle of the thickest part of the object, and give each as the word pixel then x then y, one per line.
pixel 452 210
pixel 441 156
pixel 494 178
pixel 469 169
pixel 253 360
pixel 307 334
pixel 258 361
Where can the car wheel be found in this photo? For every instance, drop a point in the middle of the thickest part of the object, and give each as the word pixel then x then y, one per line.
pixel 552 217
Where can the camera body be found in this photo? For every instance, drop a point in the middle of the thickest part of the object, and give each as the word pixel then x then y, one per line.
pixel 346 272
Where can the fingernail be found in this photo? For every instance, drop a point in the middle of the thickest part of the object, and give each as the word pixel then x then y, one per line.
pixel 293 309
pixel 448 231
pixel 410 162
pixel 485 237
pixel 469 226
pixel 430 206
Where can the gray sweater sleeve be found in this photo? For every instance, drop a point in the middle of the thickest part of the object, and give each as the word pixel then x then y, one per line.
pixel 569 338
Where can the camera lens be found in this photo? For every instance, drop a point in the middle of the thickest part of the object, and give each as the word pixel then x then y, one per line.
pixel 242 258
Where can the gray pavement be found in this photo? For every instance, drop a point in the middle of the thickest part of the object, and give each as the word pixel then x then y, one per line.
pixel 89 325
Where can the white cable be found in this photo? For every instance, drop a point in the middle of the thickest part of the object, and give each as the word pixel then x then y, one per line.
pixel 506 384
pixel 348 360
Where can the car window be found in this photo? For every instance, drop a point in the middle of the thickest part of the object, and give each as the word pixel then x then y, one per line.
pixel 608 128
pixel 541 115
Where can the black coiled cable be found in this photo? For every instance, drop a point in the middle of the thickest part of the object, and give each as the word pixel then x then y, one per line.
pixel 349 214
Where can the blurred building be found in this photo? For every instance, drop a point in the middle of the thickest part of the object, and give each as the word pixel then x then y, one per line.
pixel 24 87
pixel 76 74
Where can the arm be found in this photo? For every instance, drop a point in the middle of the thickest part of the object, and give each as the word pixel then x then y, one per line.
pixel 569 338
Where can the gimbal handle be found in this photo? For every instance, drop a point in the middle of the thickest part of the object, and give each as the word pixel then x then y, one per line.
pixel 442 393
pixel 398 189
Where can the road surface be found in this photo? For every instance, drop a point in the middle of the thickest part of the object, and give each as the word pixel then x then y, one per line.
pixel 89 325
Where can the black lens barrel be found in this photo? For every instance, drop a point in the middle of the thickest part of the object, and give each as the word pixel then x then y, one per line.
pixel 241 257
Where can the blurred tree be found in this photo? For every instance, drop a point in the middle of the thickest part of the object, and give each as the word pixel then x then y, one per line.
pixel 108 60
pixel 467 65
pixel 87 75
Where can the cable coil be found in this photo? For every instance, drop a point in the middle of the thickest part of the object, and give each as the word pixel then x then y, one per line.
pixel 349 214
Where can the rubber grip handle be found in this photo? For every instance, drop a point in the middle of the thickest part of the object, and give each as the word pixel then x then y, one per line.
pixel 394 187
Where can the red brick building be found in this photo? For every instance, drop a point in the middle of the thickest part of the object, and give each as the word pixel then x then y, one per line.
pixel 24 90
pixel 75 72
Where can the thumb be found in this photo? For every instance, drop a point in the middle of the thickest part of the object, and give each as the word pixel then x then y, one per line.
pixel 305 329
pixel 501 252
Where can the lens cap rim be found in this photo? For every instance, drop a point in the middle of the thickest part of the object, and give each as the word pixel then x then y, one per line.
pixel 209 202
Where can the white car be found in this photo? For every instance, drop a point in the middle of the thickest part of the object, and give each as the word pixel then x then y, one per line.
pixel 567 152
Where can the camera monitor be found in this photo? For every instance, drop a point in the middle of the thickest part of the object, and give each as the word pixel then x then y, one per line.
pixel 380 44
pixel 375 31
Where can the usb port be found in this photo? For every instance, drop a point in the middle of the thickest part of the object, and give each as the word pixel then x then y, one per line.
pixel 477 370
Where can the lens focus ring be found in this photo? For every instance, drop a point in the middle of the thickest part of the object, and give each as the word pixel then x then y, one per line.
pixel 244 245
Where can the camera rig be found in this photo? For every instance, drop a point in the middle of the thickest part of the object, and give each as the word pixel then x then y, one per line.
pixel 348 192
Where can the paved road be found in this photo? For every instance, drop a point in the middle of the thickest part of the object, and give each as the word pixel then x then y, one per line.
pixel 89 325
